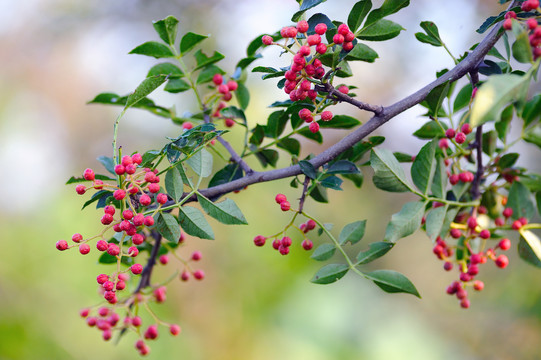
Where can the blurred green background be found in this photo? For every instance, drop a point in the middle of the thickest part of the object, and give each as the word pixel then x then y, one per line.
pixel 254 304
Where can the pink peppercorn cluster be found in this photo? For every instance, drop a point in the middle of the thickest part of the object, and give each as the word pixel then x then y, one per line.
pixel 284 243
pixel 130 216
pixel 306 68
pixel 466 231
pixel 531 24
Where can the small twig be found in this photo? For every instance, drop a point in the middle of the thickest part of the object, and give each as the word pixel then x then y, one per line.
pixel 475 192
pixel 235 157
pixel 147 271
pixel 303 196
pixel 338 96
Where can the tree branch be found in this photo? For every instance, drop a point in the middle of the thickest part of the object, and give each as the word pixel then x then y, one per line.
pixel 234 156
pixel 339 96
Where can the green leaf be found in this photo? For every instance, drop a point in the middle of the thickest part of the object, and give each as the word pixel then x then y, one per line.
pixel 375 251
pixel 463 98
pixel 319 194
pixel 439 183
pixel 538 200
pixel 165 69
pixel 167 225
pixel 226 212
pixel 435 98
pixel 435 221
pixel 352 232
pixel 154 49
pixel 529 248
pixel 74 180
pixel 173 184
pixel 107 163
pixel 521 49
pixel 330 273
pixel 308 169
pixel 145 88
pixel 532 110
pixel 319 18
pixel 243 96
pixel 149 157
pixel 292 146
pixel 357 179
pixel 358 13
pixel 380 30
pixel 234 112
pixel 201 163
pixel 362 52
pixel 389 7
pixel 491 21
pixel 508 160
pixel 490 142
pixel 203 60
pixel 494 94
pixel 101 195
pixel 533 136
pixel 324 252
pixel 306 5
pixel 208 73
pixel 105 258
pixel 193 222
pixel 258 135
pixel 429 131
pixel 267 157
pixel 229 173
pixel 520 200
pixel 332 182
pixel 405 222
pixel 189 41
pixel 145 103
pixel 339 122
pixel 392 282
pixel 432 35
pixel 342 167
pixel 177 85
pixel 424 167
pixel 502 126
pixel 388 174
pixel 276 124
pixel 167 29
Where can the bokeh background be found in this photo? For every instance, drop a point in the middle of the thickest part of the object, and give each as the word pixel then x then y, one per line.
pixel 254 304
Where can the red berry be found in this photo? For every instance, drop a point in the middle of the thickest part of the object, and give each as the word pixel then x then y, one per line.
pixel 523 220
pixel 460 138
pixel 455 233
pixel 338 39
pixel 102 278
pixel 259 240
pixel 149 221
pixel 120 169
pixel 507 212
pixel 267 40
pixel 443 144
pixel 187 125
pixel 472 222
pixel 84 312
pixel 89 175
pixel 478 285
pixel 286 241
pixel 448 266
pixel 80 189
pixel 113 250
pixel 320 28
pixel 532 23
pixel 347 46
pixel 91 321
pixel 453 179
pixel 305 114
pixel 502 261
pixel 130 169
pixel 77 238
pixel 343 89
pixel 199 274
pixel 450 133
pixel 504 244
pixel 314 40
pixel 137 158
pixel 232 85
pixel 136 269
pixel 120 285
pixel 161 198
pixel 154 188
pixel 280 198
pixel 136 321
pixel 84 249
pixel 466 129
pixel 185 276
pixel 61 245
pixel 508 24
pixel 151 332
pixel 276 243
pixel 465 303
pixel 196 256
pixel 484 234
pixel 285 206
pixel 174 329
pixel 516 225
pixel 320 49
pixel 326 116
pixel 284 250
pixel 499 222
pixel 349 37
pixel 229 122
pixel 164 259
pixel 109 209
pixel 98 184
pixel 145 200
pixel 343 29
pixel 119 194
pixel 108 285
pixel 510 15
pixel 314 127
pixel 217 79
pixel 307 244
pixel 133 251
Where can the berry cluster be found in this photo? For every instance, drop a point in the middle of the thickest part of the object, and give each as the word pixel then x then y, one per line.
pixel 132 204
pixel 469 234
pixel 306 68
pixel 224 90
pixel 282 244
pixel 531 24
